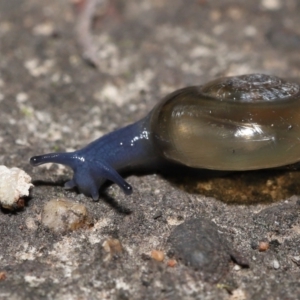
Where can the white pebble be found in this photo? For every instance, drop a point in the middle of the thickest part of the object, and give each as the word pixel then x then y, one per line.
pixel 250 31
pixel 271 4
pixel 44 29
pixel 21 97
pixel 236 268
pixel 276 264
pixel 14 185
pixel 296 258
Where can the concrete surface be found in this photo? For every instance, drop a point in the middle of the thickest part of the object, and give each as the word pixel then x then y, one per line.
pixel 51 100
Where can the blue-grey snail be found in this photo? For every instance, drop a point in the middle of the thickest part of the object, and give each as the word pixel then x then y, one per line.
pixel 237 123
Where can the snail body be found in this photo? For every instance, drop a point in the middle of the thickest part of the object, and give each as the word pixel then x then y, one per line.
pixel 237 123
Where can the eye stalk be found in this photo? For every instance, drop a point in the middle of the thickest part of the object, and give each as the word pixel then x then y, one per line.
pixel 88 175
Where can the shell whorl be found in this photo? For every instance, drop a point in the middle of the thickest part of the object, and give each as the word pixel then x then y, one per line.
pixel 250 88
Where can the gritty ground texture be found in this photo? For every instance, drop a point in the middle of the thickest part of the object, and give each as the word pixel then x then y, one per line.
pixel 51 100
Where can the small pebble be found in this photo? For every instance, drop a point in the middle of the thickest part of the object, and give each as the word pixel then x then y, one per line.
pixel 157 255
pixel 172 263
pixel 112 246
pixel 30 224
pixel 237 268
pixel 296 260
pixel 64 215
pixel 263 246
pixel 44 29
pixel 21 97
pixel 2 276
pixel 276 264
pixel 238 294
pixel 157 215
pixel 271 4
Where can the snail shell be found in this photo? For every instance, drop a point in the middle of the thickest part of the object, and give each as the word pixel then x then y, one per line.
pixel 236 123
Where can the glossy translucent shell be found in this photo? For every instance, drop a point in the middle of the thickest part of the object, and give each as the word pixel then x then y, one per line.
pixel 217 126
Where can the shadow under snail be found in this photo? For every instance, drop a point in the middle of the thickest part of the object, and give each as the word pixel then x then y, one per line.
pixel 240 123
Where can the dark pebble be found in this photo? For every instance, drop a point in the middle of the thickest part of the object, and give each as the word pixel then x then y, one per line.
pixel 198 244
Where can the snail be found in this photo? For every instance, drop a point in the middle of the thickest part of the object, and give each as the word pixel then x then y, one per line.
pixel 239 123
